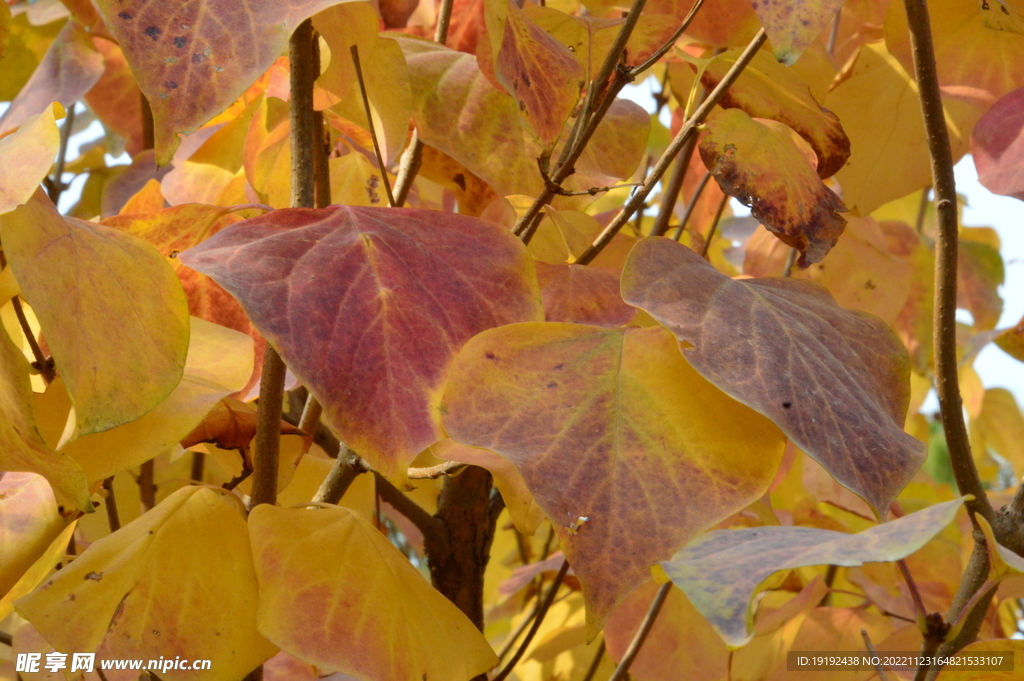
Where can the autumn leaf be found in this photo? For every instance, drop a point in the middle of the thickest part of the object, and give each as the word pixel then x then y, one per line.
pixel 219 363
pixel 26 156
pixel 720 570
pixel 69 70
pixel 136 591
pixel 956 670
pixel 732 24
pixel 334 592
pixel 231 425
pixel 793 26
pixel 29 522
pixel 390 295
pixel 85 280
pixel 980 274
pixel 611 430
pixel 22 448
pixel 758 162
pixel 385 74
pixel 50 557
pixel 766 89
pixel 779 346
pixel 997 146
pixel 888 150
pixel 539 72
pixel 193 60
pixel 583 295
pixel 27 45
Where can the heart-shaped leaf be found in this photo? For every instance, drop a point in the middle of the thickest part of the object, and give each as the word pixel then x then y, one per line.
pixel 389 295
pixel 334 592
pixel 137 594
pixel 84 280
pixel 612 430
pixel 835 381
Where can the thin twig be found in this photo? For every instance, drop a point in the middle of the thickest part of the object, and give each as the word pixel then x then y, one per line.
pixel 871 649
pixel 641 634
pixel 435 472
pixel 57 185
pixel 238 479
pixel 43 363
pixel 689 206
pixel 113 520
pixel 834 32
pixel 537 621
pixel 922 209
pixel 595 663
pixel 947 382
pixel 6 639
pixel 198 464
pixel 674 147
pixel 147 488
pixel 354 50
pixel 919 610
pixel 787 271
pixel 714 226
pixel 432 530
pixel 412 159
pixel 668 44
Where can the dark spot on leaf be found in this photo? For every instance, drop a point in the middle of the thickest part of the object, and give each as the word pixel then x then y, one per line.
pixel 443 408
pixel 156 633
pixel 371 189
pixel 526 80
pixel 95 576
pixel 179 41
pixel 787 405
pixel 173 254
pixel 559 367
pixel 71 597
pixel 171 85
pixel 870 285
pixel 490 355
pixel 196 58
pixel 125 15
pixel 153 32
pixel 460 180
pixel 552 384
pixel 522 105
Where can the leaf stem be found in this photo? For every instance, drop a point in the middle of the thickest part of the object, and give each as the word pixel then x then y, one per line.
pixel 919 610
pixel 787 270
pixel 947 382
pixel 542 611
pixel 674 147
pixel 678 234
pixel 354 50
pixel 641 634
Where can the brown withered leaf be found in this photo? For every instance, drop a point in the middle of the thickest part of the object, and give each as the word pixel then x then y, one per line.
pixel 835 381
pixel 231 425
pixel 759 163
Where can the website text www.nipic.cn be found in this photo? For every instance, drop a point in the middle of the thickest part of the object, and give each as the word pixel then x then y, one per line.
pixel 86 662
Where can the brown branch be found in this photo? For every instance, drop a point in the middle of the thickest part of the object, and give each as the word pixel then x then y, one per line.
pixel 147 488
pixel 432 530
pixel 947 382
pixel 346 468
pixel 435 472
pixel 305 68
pixel 787 270
pixel 198 464
pixel 871 649
pixel 412 158
pixel 354 50
pixel 670 194
pixel 674 147
pixel 57 186
pixel 678 234
pixel 113 520
pixel 538 619
pixel 641 635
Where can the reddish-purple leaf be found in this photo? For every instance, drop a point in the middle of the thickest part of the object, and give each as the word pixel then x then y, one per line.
pixel 997 145
pixel 835 381
pixel 368 306
pixel 582 295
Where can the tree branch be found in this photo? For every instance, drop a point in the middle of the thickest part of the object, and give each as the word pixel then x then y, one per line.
pixel 57 185
pixel 345 469
pixel 674 147
pixel 538 619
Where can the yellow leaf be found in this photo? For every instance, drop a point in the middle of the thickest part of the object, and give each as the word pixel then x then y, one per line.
pixel 219 363
pixel 178 581
pixel 335 593
pixel 110 306
pixel 21 446
pixel 36 572
pixel 28 523
pixel 25 158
